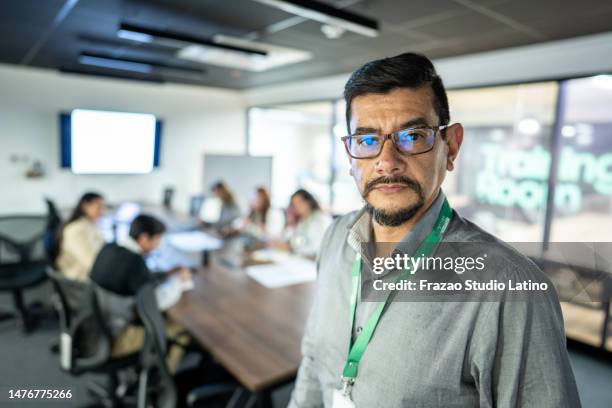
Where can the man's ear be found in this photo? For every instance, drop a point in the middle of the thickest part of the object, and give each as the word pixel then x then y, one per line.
pixel 454 138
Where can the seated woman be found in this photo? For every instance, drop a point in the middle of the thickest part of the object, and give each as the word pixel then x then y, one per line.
pixel 255 223
pixel 310 223
pixel 79 239
pixel 230 211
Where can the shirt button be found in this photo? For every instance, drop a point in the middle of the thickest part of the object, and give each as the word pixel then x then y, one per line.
pixel 359 329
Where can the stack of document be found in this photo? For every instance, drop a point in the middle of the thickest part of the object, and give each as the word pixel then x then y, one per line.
pixel 289 271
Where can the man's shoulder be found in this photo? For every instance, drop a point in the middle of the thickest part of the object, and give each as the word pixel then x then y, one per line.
pixel 346 221
pixel 114 254
pixel 341 225
pixel 506 258
pixel 112 248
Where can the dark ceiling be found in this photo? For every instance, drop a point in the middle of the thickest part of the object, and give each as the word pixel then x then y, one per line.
pixel 52 34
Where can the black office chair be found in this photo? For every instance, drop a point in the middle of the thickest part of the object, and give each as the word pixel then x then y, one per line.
pixel 54 221
pixel 156 387
pixel 86 340
pixel 22 261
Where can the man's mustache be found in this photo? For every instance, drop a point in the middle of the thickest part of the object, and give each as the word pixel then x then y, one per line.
pixel 407 181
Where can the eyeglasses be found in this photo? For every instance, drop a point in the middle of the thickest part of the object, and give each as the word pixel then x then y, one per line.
pixel 410 141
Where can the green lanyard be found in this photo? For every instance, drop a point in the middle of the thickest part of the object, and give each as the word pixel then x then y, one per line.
pixel 357 348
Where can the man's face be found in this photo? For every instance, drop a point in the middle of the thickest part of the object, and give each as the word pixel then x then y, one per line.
pixel 396 186
pixel 148 243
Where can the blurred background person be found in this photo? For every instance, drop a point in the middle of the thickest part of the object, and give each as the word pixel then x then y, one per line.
pixel 255 223
pixel 79 239
pixel 120 269
pixel 306 225
pixel 229 210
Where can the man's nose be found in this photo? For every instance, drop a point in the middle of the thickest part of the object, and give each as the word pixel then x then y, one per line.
pixel 389 161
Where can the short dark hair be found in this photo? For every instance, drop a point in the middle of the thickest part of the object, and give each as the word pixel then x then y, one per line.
pixel 146 224
pixel 408 70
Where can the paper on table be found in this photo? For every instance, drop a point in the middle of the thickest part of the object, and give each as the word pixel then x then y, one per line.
pixel 194 241
pixel 270 255
pixel 291 271
pixel 187 285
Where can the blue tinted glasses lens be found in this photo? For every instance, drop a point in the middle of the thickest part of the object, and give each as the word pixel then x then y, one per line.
pixel 406 140
pixel 365 145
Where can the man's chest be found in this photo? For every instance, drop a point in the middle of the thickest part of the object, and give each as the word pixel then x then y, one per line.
pixel 418 352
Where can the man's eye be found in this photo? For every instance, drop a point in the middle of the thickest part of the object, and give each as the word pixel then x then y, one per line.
pixel 368 140
pixel 409 136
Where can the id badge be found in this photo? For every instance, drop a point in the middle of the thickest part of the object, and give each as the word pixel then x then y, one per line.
pixel 341 401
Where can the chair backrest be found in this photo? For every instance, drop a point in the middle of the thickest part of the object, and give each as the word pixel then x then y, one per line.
pixel 54 221
pixel 156 386
pixel 69 296
pixel 54 218
pixel 22 238
pixel 85 340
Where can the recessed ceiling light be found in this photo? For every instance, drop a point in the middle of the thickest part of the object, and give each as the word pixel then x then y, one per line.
pixel 568 131
pixel 332 32
pixel 529 126
pixel 275 55
pixel 135 36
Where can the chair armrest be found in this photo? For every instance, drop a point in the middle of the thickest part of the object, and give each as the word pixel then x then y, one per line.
pixel 208 391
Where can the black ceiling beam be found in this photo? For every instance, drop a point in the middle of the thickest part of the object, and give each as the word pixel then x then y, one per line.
pixel 154 64
pixel 104 74
pixel 186 38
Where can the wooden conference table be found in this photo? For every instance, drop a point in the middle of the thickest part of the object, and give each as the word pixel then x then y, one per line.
pixel 253 331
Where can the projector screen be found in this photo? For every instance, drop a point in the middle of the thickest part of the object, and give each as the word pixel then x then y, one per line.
pixel 112 142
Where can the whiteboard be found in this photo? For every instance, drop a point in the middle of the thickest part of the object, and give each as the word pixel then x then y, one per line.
pixel 242 174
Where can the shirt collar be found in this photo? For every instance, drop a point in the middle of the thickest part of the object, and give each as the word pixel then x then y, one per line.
pixel 130 244
pixel 360 231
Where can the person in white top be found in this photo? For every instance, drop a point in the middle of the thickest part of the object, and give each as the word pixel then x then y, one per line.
pixel 304 233
pixel 79 240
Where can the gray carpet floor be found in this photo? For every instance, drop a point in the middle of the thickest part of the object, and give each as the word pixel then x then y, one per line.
pixel 26 362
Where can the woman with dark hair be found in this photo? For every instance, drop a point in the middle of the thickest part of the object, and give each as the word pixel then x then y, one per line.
pixel 229 208
pixel 79 240
pixel 255 222
pixel 305 236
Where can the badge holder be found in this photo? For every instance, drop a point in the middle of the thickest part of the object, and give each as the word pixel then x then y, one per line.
pixel 342 398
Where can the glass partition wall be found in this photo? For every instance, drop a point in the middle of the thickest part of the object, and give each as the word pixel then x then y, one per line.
pixel 535 166
pixel 298 137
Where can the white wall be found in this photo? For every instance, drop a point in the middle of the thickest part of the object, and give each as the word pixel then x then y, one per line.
pixel 196 120
pixel 199 120
pixel 557 59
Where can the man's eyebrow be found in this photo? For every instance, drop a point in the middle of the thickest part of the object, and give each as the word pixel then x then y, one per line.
pixel 415 122
pixel 362 130
pixel 420 121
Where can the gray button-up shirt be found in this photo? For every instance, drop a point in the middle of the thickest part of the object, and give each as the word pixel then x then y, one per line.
pixel 434 354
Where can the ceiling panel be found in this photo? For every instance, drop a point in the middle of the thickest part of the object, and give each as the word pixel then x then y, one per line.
pixel 397 12
pixel 438 28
